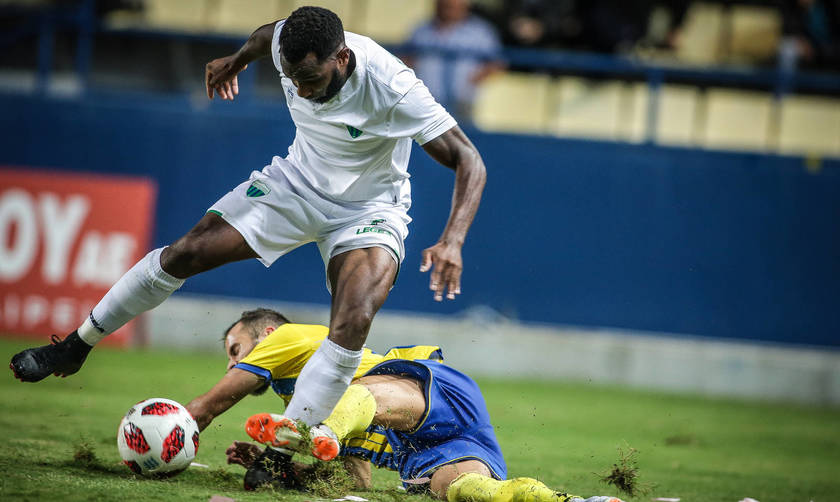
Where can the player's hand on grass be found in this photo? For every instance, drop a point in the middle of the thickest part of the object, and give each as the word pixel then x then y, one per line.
pixel 243 453
pixel 220 75
pixel 444 260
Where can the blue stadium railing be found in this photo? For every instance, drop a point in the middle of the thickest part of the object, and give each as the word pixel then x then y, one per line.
pixel 81 20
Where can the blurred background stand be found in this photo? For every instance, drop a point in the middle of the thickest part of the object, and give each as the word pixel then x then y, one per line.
pixel 664 178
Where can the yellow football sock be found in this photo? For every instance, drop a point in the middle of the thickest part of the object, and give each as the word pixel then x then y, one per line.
pixel 353 413
pixel 474 487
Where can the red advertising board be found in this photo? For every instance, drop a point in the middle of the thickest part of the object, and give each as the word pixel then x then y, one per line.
pixel 65 239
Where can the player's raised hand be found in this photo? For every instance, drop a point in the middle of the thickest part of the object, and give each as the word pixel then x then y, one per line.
pixel 220 75
pixel 444 260
pixel 243 453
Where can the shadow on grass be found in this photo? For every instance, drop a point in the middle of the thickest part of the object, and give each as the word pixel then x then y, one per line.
pixel 115 470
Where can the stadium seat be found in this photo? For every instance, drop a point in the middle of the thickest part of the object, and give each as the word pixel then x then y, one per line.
pixel 754 32
pixel 738 120
pixel 701 34
pixel 183 15
pixel 633 112
pixel 392 21
pixel 513 102
pixel 244 16
pixel 810 125
pixel 677 117
pixel 587 108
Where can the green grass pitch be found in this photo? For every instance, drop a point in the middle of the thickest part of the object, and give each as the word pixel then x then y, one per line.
pixel 566 434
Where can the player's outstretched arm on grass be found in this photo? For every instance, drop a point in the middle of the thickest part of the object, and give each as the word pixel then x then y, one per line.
pixel 245 454
pixel 235 385
pixel 220 75
pixel 454 150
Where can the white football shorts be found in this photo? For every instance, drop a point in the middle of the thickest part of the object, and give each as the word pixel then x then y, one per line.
pixel 276 212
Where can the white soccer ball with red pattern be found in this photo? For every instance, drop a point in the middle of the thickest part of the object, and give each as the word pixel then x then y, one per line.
pixel 158 437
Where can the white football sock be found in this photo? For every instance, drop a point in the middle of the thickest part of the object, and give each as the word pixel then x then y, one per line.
pixel 145 286
pixel 322 382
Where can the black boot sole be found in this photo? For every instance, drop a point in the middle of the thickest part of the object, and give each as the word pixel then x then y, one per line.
pixel 26 368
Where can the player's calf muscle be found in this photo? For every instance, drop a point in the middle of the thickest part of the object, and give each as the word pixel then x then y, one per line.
pixel 350 329
pixel 361 281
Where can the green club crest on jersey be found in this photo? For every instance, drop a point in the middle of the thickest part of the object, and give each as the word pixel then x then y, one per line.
pixel 354 133
pixel 257 189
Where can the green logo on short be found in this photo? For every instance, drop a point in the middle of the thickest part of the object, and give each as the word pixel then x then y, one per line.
pixel 354 133
pixel 257 189
pixel 376 230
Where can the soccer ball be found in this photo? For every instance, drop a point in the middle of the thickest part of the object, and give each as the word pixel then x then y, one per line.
pixel 157 437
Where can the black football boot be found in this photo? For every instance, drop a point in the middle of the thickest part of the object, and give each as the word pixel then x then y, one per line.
pixel 272 468
pixel 61 357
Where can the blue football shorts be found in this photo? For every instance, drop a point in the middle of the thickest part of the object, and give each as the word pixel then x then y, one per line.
pixel 455 426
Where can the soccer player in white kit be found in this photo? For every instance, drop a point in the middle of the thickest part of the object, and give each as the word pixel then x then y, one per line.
pixel 344 185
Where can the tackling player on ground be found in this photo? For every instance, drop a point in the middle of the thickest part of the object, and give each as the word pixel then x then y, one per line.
pixel 344 185
pixel 405 411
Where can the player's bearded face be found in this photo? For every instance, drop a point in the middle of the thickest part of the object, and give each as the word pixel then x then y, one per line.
pixel 318 82
pixel 336 82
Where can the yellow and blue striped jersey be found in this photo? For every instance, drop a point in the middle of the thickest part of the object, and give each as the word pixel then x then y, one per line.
pixel 281 356
pixel 455 424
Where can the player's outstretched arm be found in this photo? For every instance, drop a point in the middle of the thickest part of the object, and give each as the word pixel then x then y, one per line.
pixel 220 75
pixel 235 385
pixel 454 150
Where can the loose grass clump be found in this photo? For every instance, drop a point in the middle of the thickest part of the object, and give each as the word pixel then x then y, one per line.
pixel 329 480
pixel 624 474
pixel 84 454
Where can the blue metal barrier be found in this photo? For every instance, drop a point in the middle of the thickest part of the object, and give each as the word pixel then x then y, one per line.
pixel 731 245
pixel 577 232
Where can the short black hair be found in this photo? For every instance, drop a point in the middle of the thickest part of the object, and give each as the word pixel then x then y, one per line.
pixel 311 29
pixel 257 320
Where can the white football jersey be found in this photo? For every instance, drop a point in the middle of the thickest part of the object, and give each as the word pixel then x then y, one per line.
pixel 355 147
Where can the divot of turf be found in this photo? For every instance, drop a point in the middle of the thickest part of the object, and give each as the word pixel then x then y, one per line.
pixel 329 480
pixel 624 474
pixel 306 441
pixel 84 454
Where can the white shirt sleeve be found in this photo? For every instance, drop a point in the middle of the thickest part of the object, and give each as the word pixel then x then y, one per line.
pixel 418 116
pixel 275 45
